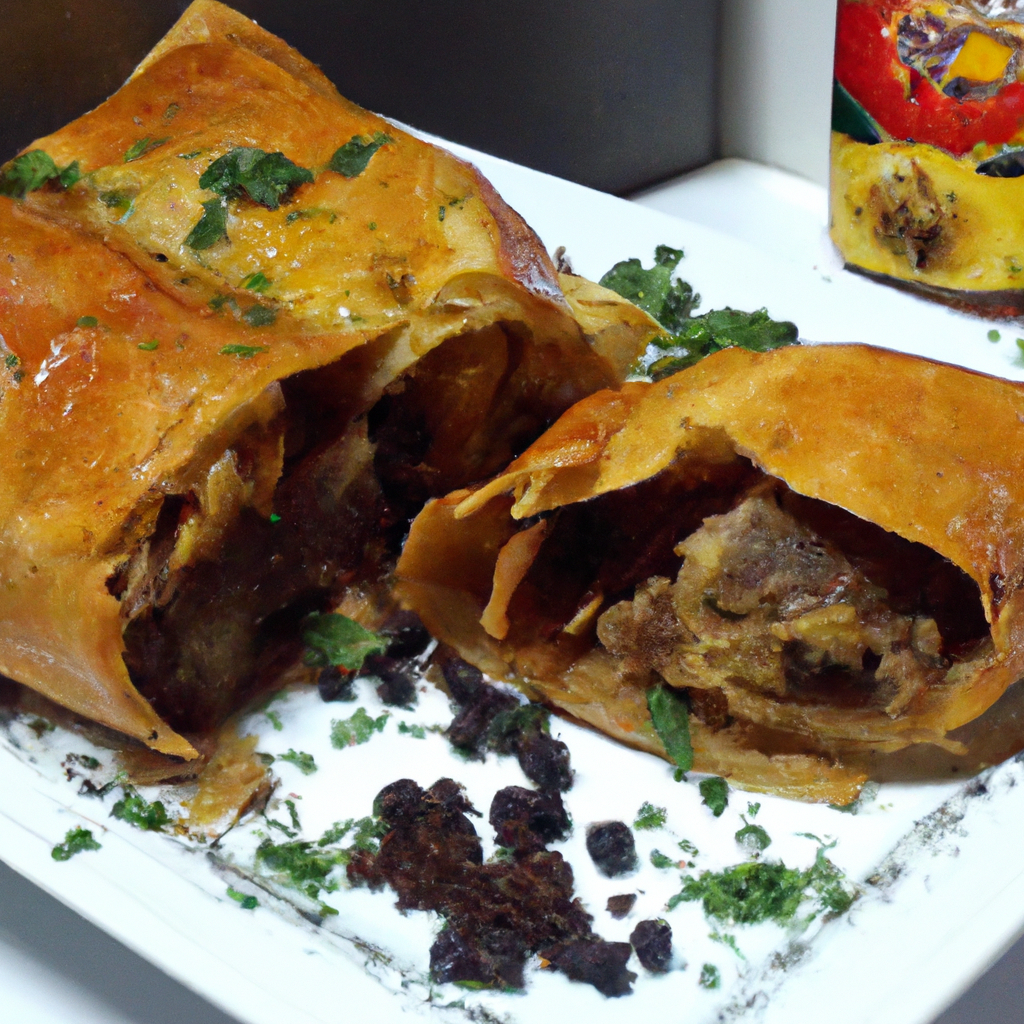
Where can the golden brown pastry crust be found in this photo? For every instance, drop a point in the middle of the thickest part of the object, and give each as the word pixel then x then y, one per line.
pixel 101 418
pixel 924 450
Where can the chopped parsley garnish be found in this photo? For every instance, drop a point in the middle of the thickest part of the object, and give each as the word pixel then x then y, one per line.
pixel 333 639
pixel 994 335
pixel 257 282
pixel 189 156
pixel 372 225
pixel 659 860
pixel 149 346
pixel 654 291
pixel 727 940
pixel 274 517
pixel 753 838
pixel 688 338
pixel 714 794
pixel 417 732
pixel 242 351
pixel 77 840
pixel 171 112
pixel 87 761
pixel 137 811
pixel 275 720
pixel 352 158
pixel 87 321
pixel 259 316
pixel 687 847
pixel 266 178
pixel 211 227
pixel 245 902
pixel 32 170
pixel 440 213
pixel 710 977
pixel 142 147
pixel 670 715
pixel 11 361
pixel 313 211
pixel 351 732
pixel 649 817
pixel 768 891
pixel 301 865
pixel 715 330
pixel 303 761
pixel 115 199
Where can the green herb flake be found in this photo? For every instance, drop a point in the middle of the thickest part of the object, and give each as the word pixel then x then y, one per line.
pixel 753 838
pixel 142 147
pixel 245 902
pixel 266 178
pixel 219 301
pixel 670 715
pixel 211 227
pixel 372 225
pixel 87 761
pixel 70 175
pixel 275 720
pixel 171 112
pixel 242 351
pixel 293 814
pixel 333 639
pixel 659 860
pixel 137 811
pixel 265 759
pixel 994 335
pixel 688 848
pixel 649 817
pixel 259 316
pixel 714 794
pixel 298 864
pixel 115 199
pixel 351 732
pixel 727 940
pixel 31 171
pixel 190 156
pixel 752 809
pixel 440 213
pixel 758 891
pixel 274 517
pixel 352 158
pixel 11 361
pixel 77 840
pixel 87 321
pixel 654 291
pixel 417 732
pixel 40 726
pixel 257 282
pixel 149 346
pixel 303 761
pixel 336 833
pixel 710 977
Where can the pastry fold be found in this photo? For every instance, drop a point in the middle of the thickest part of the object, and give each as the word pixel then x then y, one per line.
pixel 821 547
pixel 207 434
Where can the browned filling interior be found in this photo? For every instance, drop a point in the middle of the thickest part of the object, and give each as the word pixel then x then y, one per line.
pixel 760 603
pixel 204 631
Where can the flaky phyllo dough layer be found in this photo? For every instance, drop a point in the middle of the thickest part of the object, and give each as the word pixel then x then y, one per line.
pixel 204 440
pixel 822 546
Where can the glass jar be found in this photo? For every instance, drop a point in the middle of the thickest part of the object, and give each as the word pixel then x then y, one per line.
pixel 927 184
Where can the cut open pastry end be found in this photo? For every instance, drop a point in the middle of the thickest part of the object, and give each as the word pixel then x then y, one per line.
pixel 821 547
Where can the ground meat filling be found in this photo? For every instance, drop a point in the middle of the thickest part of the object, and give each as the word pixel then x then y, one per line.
pixel 765 604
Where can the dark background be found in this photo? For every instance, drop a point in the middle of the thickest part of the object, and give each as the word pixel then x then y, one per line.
pixel 615 94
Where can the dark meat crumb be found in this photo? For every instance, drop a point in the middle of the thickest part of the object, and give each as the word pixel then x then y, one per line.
pixel 597 962
pixel 496 914
pixel 396 688
pixel 524 820
pixel 335 684
pixel 611 847
pixel 407 636
pixel 652 941
pixel 490 719
pixel 620 906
